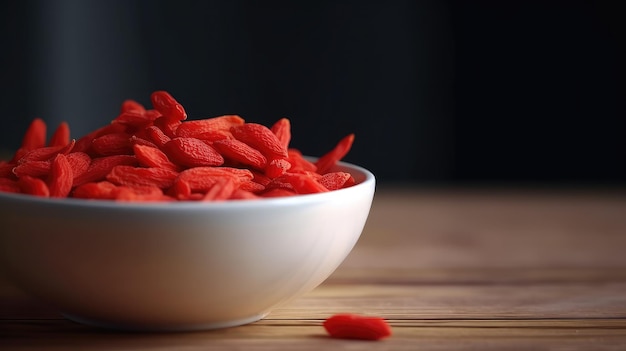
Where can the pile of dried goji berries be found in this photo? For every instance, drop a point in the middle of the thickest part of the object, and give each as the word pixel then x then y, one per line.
pixel 158 155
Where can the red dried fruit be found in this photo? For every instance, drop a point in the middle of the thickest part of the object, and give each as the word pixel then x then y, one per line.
pixel 261 138
pixel 61 135
pixel 96 190
pixel 112 144
pixel 134 118
pixel 9 185
pixel 142 176
pixel 282 130
pixel 221 190
pixel 198 128
pixel 336 180
pixel 168 126
pixel 192 152
pixel 79 162
pixel 33 186
pixel 279 192
pixel 61 177
pixel 241 152
pixel 35 136
pixel 277 167
pixel 302 183
pixel 352 326
pixel 139 193
pixel 101 166
pixel 46 153
pixel 84 143
pixel 328 160
pixel 135 140
pixel 299 163
pixel 240 194
pixel 6 169
pixel 32 168
pixel 181 189
pixel 203 178
pixel 165 103
pixel 251 186
pixel 132 105
pixel 157 136
pixel 148 156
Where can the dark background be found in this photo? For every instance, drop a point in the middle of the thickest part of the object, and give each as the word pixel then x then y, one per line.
pixel 437 92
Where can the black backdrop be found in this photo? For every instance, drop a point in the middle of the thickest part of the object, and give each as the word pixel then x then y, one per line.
pixel 437 92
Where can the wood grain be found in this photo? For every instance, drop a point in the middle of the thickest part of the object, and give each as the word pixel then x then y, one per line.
pixel 449 269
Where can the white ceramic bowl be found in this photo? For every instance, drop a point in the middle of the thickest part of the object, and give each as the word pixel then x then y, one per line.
pixel 179 266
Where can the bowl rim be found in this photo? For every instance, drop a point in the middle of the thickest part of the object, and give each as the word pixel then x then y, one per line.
pixel 368 179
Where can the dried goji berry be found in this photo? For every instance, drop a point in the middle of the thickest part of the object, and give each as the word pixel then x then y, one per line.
pixel 328 160
pixel 241 194
pixel 214 135
pixel 260 178
pixel 156 135
pixel 112 144
pixel 79 162
pixel 84 144
pixel 353 326
pixel 277 167
pixel 251 186
pixel 181 189
pixel 32 168
pixel 336 180
pixel 134 118
pixel 103 190
pixel 261 138
pixel 278 192
pixel 9 185
pixel 135 140
pixel 6 169
pixel 192 152
pixel 142 176
pixel 61 135
pixel 33 186
pixel 139 193
pixel 101 166
pixel 203 178
pixel 200 127
pixel 165 103
pixel 152 114
pixel 282 130
pixel 241 152
pixel 35 136
pixel 305 184
pixel 167 126
pixel 299 163
pixel 61 177
pixel 221 190
pixel 148 156
pixel 132 105
pixel 46 153
pixel 302 183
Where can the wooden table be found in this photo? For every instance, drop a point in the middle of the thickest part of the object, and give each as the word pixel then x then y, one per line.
pixel 450 270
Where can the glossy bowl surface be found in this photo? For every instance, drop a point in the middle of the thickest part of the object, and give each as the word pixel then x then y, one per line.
pixel 179 266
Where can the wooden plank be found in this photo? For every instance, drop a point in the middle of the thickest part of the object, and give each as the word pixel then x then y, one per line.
pixel 541 301
pixel 422 335
pixel 474 276
pixel 508 229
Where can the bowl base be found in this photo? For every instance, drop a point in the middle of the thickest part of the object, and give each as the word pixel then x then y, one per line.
pixel 165 328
